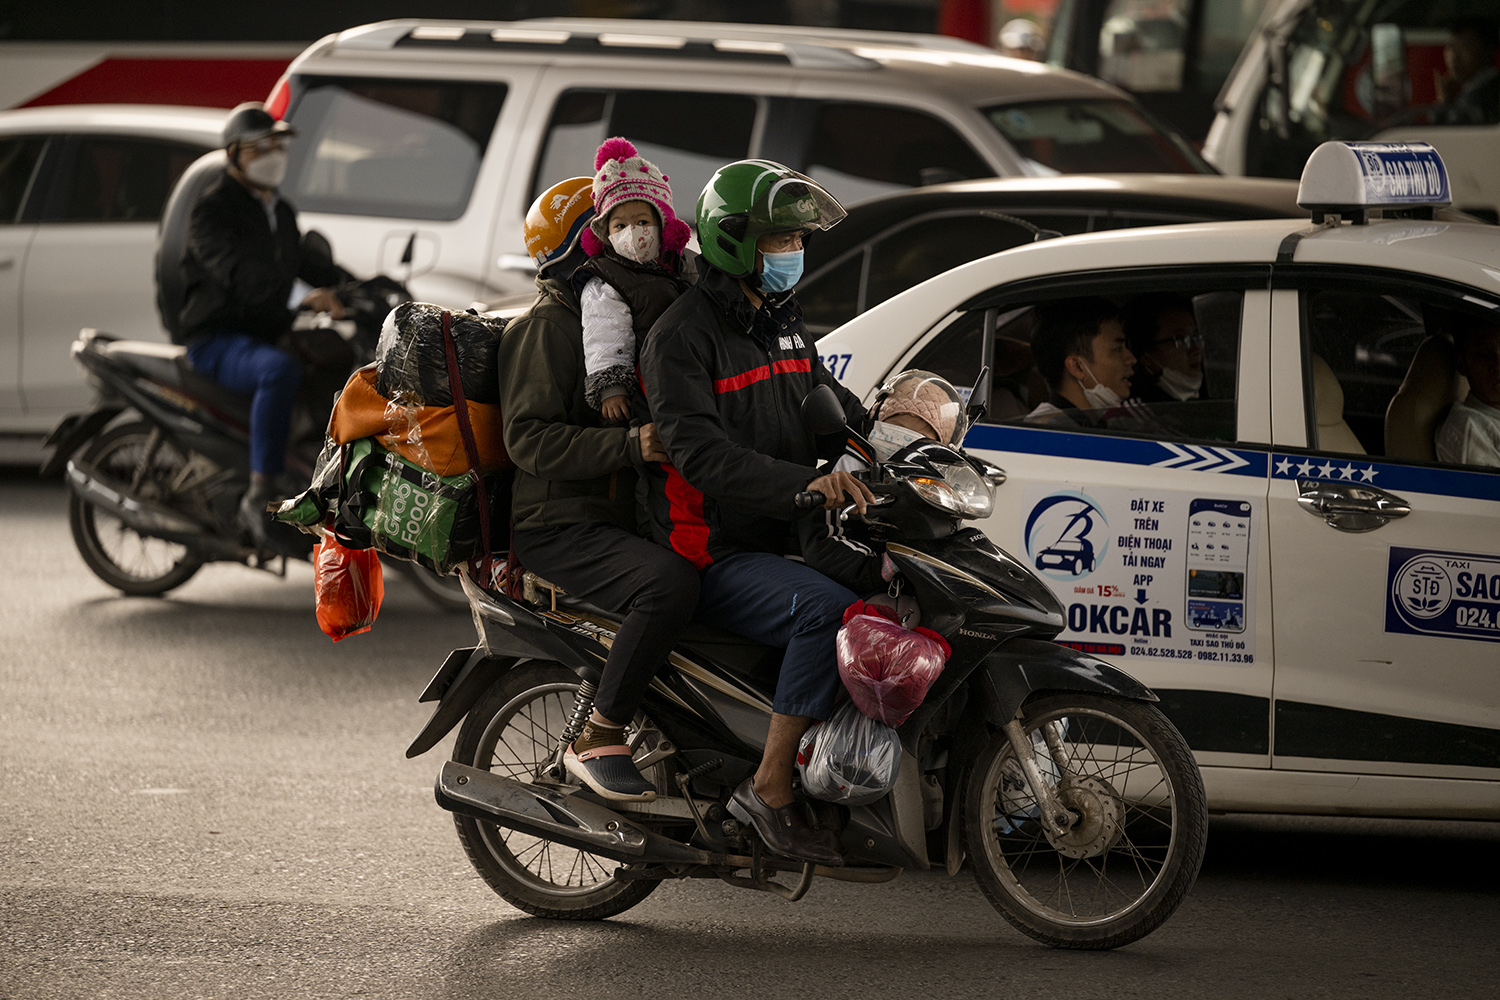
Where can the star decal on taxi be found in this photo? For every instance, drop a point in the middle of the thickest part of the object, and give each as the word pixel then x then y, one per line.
pixel 1349 471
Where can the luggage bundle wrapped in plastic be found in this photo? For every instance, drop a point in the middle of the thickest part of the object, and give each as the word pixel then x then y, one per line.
pixel 886 667
pixel 407 474
pixel 851 759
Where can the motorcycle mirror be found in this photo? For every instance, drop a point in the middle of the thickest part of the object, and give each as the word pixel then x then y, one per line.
pixel 979 399
pixel 822 411
pixel 317 249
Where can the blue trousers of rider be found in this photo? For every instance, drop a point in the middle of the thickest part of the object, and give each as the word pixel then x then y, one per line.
pixel 265 373
pixel 773 600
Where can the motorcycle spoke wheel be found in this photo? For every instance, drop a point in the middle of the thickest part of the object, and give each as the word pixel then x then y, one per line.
pixel 513 731
pixel 1137 828
pixel 130 562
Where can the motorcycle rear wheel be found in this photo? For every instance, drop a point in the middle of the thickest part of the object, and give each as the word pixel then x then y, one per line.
pixel 130 562
pixel 1135 850
pixel 513 730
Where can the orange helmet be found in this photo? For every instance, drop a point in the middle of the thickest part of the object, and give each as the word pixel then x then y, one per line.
pixel 557 218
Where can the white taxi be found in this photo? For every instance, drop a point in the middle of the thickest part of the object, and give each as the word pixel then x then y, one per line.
pixel 1282 555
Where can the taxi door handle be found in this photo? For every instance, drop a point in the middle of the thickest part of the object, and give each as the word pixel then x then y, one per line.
pixel 1350 507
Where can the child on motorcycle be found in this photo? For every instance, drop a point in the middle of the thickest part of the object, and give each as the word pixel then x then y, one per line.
pixel 914 406
pixel 634 271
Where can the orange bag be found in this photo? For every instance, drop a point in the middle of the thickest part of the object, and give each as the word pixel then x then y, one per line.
pixel 347 586
pixel 428 436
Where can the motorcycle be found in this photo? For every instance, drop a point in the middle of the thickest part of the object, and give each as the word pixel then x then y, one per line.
pixel 156 468
pixel 1078 804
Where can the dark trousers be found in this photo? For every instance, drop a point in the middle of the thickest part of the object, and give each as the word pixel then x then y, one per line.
pixel 770 599
pixel 267 374
pixel 654 588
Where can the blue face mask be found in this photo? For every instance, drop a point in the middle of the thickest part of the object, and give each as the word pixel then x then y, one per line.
pixel 780 271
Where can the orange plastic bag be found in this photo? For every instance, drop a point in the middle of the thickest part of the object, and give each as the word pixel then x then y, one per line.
pixel 347 586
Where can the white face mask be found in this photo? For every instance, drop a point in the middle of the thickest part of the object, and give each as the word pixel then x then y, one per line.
pixel 887 439
pixel 267 171
pixel 639 243
pixel 1179 385
pixel 1101 396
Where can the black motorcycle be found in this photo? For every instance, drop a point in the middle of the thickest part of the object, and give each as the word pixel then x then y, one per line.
pixel 156 468
pixel 1078 804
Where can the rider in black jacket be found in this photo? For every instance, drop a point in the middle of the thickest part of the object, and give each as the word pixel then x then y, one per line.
pixel 725 371
pixel 244 275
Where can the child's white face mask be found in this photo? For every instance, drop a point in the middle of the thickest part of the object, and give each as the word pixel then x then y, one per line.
pixel 639 243
pixel 887 439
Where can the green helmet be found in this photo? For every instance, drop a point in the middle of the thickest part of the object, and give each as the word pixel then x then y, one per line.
pixel 747 199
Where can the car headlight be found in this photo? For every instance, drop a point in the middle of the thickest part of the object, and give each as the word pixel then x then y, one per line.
pixel 961 490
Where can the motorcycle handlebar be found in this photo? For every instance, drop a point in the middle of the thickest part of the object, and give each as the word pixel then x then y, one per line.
pixel 808 499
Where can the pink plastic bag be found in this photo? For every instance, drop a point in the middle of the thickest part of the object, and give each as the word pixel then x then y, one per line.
pixel 887 668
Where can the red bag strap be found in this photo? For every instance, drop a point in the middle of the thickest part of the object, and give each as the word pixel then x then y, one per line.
pixel 466 431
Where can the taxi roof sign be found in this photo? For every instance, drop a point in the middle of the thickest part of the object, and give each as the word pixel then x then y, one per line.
pixel 1352 177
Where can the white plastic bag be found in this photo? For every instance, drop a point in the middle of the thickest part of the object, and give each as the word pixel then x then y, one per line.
pixel 851 759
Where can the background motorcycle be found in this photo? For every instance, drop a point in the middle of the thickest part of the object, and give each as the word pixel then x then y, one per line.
pixel 1078 804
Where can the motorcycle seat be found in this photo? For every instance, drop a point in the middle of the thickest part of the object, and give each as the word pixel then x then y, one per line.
pixel 168 364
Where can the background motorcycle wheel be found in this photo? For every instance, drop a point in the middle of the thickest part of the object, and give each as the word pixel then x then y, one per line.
pixel 130 562
pixel 513 731
pixel 1136 850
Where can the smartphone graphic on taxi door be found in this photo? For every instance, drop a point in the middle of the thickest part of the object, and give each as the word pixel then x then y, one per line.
pixel 1218 555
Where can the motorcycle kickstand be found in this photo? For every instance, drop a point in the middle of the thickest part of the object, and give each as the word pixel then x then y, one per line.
pixel 763 882
pixel 1055 817
pixel 684 780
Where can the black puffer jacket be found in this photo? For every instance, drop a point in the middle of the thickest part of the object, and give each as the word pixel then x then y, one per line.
pixel 237 272
pixel 725 383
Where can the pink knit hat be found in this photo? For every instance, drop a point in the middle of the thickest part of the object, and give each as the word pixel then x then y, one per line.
pixel 624 175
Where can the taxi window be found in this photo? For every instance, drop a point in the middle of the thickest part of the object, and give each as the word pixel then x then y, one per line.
pixel 1384 376
pixel 1181 386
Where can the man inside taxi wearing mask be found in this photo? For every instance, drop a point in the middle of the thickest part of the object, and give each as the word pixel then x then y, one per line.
pixel 244 274
pixel 1079 348
pixel 1162 333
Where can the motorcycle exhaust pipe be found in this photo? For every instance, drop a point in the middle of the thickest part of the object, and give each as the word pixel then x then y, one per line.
pixel 144 516
pixel 566 819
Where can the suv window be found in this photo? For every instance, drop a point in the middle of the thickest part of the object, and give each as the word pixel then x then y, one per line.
pixel 116 179
pixel 859 151
pixel 687 135
pixel 18 158
pixel 1383 373
pixel 1210 320
pixel 406 149
pixel 1090 137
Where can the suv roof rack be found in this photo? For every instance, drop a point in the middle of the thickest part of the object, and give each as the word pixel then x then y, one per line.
pixel 801 47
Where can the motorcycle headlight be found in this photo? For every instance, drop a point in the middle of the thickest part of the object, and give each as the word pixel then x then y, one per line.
pixel 961 490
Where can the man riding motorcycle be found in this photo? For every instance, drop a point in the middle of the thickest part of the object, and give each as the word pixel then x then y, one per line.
pixel 244 273
pixel 725 371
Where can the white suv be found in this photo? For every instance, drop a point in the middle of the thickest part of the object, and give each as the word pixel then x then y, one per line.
pixel 423 142
pixel 81 190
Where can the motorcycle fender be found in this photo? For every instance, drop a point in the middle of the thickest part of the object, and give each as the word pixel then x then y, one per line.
pixel 1016 669
pixel 459 683
pixel 72 433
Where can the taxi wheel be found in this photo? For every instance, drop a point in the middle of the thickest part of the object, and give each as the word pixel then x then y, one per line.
pixel 1138 815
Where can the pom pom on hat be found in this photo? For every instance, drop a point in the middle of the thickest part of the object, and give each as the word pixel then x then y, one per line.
pixel 614 149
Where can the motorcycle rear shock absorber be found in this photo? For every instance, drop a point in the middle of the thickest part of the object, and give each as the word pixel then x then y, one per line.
pixel 583 704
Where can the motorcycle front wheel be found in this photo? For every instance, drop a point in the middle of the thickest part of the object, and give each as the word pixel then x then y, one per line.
pixel 130 562
pixel 1137 822
pixel 513 731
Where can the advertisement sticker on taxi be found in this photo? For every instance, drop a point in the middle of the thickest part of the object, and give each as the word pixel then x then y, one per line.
pixel 1452 594
pixel 1162 575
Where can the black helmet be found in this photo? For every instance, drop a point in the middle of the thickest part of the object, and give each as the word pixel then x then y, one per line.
pixel 250 121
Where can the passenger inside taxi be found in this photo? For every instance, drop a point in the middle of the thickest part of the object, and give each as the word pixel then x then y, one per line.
pixel 1471 433
pixel 1162 332
pixel 1079 348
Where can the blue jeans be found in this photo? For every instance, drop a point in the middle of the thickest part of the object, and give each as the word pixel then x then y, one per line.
pixel 772 600
pixel 267 374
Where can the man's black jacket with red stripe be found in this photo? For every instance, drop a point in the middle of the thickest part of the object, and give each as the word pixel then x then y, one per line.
pixel 725 384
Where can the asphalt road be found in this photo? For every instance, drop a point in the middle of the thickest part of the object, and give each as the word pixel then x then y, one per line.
pixel 204 797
